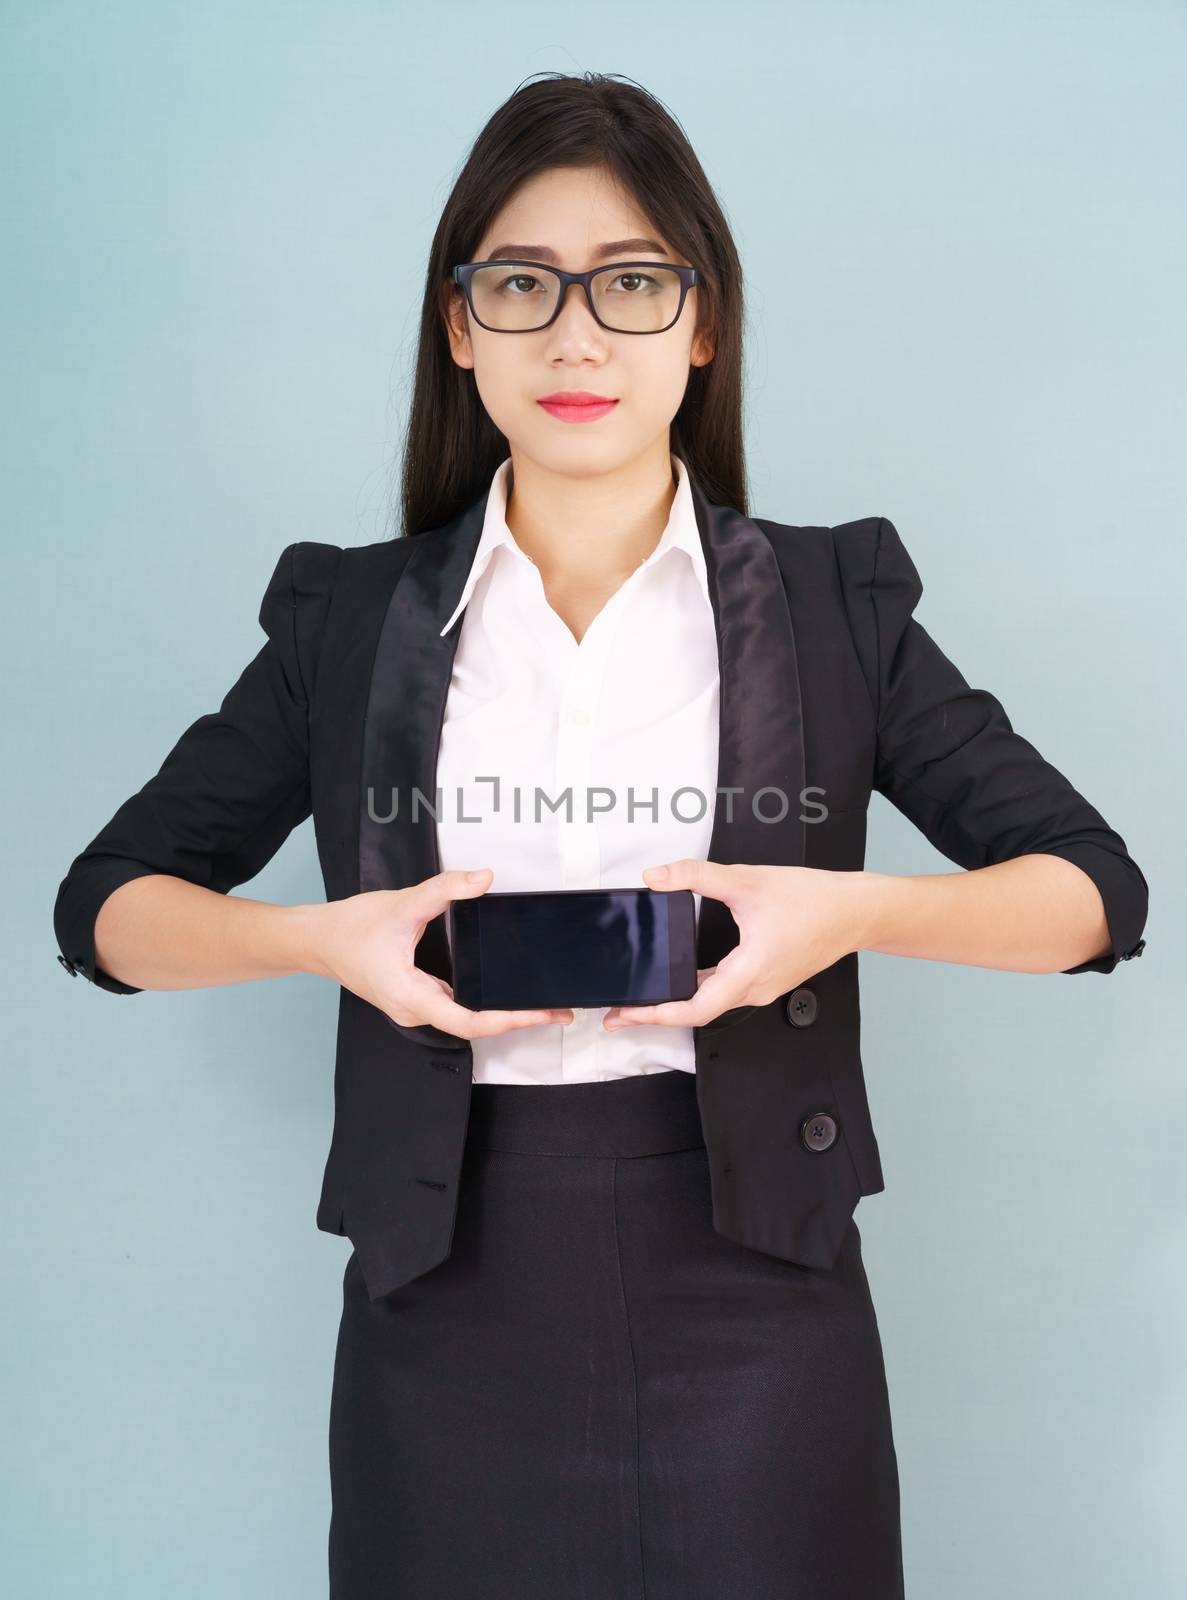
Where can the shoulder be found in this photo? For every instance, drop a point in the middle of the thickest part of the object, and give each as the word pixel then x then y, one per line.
pixel 864 560
pixel 862 564
pixel 309 571
pixel 851 546
pixel 850 556
pixel 873 562
pixel 793 541
pixel 311 581
pixel 363 565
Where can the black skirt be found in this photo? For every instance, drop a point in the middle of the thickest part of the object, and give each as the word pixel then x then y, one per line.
pixel 598 1397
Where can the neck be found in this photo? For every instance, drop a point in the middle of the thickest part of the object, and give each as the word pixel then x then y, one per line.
pixel 593 530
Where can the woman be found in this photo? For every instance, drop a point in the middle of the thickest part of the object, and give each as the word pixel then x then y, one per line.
pixel 606 1329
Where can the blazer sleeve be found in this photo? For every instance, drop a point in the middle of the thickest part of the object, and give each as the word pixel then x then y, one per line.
pixel 232 788
pixel 948 757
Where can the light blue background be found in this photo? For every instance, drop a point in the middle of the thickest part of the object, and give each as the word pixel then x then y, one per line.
pixel 963 231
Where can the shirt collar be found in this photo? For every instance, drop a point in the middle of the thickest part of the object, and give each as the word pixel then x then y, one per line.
pixel 680 533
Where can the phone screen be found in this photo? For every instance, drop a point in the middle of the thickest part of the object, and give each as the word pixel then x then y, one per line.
pixel 572 947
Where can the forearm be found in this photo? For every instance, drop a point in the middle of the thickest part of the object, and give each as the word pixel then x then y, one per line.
pixel 1036 913
pixel 161 932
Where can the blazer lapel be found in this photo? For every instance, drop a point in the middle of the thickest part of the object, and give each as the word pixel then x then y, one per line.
pixel 761 747
pixel 761 743
pixel 405 710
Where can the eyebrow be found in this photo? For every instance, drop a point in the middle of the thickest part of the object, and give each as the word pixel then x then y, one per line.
pixel 541 252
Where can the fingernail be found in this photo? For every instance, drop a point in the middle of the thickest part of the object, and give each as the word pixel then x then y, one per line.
pixel 658 872
pixel 473 877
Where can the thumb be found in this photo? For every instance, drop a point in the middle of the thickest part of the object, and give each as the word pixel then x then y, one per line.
pixel 468 881
pixel 702 877
pixel 457 884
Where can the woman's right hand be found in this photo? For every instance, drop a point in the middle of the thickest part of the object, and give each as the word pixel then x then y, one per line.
pixel 367 943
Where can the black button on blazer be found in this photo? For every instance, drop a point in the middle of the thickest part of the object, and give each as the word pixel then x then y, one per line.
pixel 830 689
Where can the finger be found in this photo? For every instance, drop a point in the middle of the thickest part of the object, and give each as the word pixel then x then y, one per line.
pixel 452 1018
pixel 714 878
pixel 432 999
pixel 501 1021
pixel 720 992
pixel 432 897
pixel 492 1022
pixel 615 1012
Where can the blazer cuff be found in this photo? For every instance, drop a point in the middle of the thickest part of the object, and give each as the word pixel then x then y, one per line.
pixel 79 901
pixel 1124 892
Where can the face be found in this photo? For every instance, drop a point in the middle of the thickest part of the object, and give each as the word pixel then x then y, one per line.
pixel 563 218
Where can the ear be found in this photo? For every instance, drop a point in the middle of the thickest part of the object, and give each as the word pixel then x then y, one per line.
pixel 702 352
pixel 456 317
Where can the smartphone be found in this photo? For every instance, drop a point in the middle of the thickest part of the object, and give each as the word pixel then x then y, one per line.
pixel 528 948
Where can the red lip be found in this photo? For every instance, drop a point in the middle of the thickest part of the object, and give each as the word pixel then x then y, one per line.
pixel 577 397
pixel 577 405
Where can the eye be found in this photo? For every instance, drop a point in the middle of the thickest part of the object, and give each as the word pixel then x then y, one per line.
pixel 517 277
pixel 641 278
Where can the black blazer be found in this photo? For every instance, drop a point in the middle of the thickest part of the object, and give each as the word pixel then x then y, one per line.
pixel 830 689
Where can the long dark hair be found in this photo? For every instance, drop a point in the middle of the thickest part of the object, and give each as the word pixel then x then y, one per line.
pixel 596 119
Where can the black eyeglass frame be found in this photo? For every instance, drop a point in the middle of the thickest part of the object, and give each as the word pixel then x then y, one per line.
pixel 464 271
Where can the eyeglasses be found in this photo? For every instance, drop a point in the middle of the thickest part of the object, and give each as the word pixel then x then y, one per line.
pixel 524 301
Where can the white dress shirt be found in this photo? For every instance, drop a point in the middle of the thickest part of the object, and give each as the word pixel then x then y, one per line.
pixel 629 713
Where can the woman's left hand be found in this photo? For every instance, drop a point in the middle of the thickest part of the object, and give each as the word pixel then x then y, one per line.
pixel 792 921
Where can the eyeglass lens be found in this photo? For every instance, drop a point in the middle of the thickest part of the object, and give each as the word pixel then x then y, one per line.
pixel 513 298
